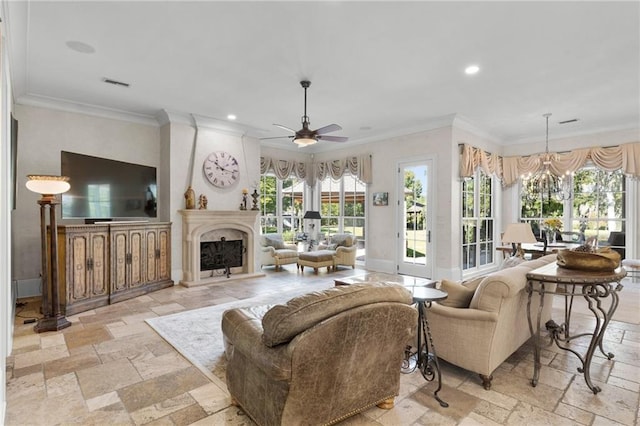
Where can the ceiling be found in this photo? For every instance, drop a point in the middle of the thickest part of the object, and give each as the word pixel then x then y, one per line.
pixel 378 69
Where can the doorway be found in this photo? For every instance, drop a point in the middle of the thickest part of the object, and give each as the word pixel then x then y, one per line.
pixel 415 210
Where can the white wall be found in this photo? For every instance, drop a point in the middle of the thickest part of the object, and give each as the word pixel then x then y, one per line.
pixel 180 146
pixel 6 297
pixel 43 134
pixel 382 221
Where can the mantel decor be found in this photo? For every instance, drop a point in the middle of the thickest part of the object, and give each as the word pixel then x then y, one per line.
pixel 49 186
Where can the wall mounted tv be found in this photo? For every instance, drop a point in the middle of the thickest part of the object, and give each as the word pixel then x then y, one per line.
pixel 107 189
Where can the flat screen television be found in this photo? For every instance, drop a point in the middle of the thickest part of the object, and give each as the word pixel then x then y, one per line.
pixel 107 189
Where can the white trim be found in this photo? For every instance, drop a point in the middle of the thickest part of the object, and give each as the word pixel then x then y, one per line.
pixel 86 109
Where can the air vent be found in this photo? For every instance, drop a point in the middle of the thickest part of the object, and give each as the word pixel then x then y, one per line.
pixel 573 120
pixel 115 82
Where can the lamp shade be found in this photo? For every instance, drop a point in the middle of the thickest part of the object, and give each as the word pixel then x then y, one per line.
pixel 518 233
pixel 47 184
pixel 311 214
pixel 304 141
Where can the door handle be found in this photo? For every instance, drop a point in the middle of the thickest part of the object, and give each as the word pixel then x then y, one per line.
pixel 429 236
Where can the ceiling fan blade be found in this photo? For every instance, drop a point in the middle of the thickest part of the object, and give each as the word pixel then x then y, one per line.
pixel 277 137
pixel 285 128
pixel 333 138
pixel 328 129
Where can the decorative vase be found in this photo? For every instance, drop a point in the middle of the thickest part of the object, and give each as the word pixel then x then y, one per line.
pixel 255 197
pixel 190 198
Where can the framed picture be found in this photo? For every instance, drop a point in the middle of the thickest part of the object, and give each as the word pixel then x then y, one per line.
pixel 380 198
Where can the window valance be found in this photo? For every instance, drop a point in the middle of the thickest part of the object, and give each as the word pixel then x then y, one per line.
pixel 359 166
pixel 509 169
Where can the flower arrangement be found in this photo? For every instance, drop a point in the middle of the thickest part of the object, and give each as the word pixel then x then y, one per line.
pixel 553 223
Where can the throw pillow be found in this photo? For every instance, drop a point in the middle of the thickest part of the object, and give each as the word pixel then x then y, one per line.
pixel 274 242
pixel 473 283
pixel 459 295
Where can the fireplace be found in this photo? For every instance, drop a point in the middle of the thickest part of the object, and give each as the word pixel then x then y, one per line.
pixel 223 254
pixel 218 246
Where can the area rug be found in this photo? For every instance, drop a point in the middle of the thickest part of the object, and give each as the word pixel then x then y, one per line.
pixel 197 334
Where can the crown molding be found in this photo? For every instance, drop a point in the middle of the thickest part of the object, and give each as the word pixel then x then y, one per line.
pixel 92 110
pixel 203 122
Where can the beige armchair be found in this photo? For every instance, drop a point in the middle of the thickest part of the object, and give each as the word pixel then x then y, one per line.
pixel 345 248
pixel 495 324
pixel 274 251
pixel 320 358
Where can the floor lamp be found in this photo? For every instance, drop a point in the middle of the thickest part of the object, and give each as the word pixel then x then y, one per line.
pixel 48 187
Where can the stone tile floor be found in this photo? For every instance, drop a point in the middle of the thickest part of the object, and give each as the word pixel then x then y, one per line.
pixel 110 367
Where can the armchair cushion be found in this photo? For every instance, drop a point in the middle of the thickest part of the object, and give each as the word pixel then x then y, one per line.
pixel 273 240
pixel 283 322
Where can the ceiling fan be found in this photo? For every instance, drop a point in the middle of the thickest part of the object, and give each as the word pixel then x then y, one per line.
pixel 306 136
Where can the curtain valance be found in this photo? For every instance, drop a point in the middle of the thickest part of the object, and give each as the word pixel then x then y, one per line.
pixel 509 169
pixel 359 166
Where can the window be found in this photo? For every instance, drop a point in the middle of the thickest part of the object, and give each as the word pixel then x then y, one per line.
pixel 281 206
pixel 477 221
pixel 342 207
pixel 595 211
pixel 598 206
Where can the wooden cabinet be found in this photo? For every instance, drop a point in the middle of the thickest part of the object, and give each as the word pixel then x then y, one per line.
pixel 107 263
pixel 83 267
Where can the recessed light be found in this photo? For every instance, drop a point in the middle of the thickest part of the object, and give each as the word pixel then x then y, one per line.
pixel 472 69
pixel 79 46
pixel 231 117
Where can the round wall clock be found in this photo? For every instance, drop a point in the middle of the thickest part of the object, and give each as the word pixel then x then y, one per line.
pixel 221 169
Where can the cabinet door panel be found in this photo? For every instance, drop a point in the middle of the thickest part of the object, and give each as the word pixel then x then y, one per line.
pixel 164 261
pixel 136 248
pixel 151 256
pixel 78 259
pixel 100 260
pixel 119 250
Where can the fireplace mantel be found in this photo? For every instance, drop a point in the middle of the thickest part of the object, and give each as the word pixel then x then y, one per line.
pixel 196 223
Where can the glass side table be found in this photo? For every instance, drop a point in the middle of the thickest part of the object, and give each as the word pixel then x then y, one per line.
pixel 424 357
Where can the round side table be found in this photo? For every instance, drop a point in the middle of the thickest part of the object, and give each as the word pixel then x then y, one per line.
pixel 426 359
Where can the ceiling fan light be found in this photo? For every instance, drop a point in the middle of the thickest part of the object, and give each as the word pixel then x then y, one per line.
pixel 301 142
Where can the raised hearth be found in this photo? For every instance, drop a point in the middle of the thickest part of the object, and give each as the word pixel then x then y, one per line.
pixel 212 225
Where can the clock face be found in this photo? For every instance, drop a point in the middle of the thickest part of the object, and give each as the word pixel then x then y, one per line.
pixel 221 169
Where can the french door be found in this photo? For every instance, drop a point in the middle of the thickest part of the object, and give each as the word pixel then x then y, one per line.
pixel 415 210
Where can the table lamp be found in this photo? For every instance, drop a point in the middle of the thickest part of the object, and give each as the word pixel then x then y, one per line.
pixel 518 233
pixel 48 187
pixel 313 215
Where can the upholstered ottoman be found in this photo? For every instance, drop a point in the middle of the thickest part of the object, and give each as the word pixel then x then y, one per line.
pixel 316 259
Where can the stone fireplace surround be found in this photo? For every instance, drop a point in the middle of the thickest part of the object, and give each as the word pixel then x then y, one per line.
pixel 208 225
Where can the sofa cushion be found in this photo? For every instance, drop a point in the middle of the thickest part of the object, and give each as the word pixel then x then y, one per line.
pixel 459 294
pixel 283 322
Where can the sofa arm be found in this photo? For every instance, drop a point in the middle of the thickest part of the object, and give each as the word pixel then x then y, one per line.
pixel 242 331
pixel 343 249
pixel 268 249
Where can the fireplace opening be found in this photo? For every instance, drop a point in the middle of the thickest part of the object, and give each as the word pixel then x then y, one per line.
pixel 221 254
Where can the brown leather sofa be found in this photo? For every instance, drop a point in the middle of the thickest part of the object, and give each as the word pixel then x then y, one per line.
pixel 320 358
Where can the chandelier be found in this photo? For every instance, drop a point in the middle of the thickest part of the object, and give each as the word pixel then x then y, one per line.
pixel 545 185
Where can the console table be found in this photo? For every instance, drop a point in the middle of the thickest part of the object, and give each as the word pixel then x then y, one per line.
pixel 595 287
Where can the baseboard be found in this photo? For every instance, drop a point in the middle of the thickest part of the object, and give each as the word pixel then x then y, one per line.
pixel 380 265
